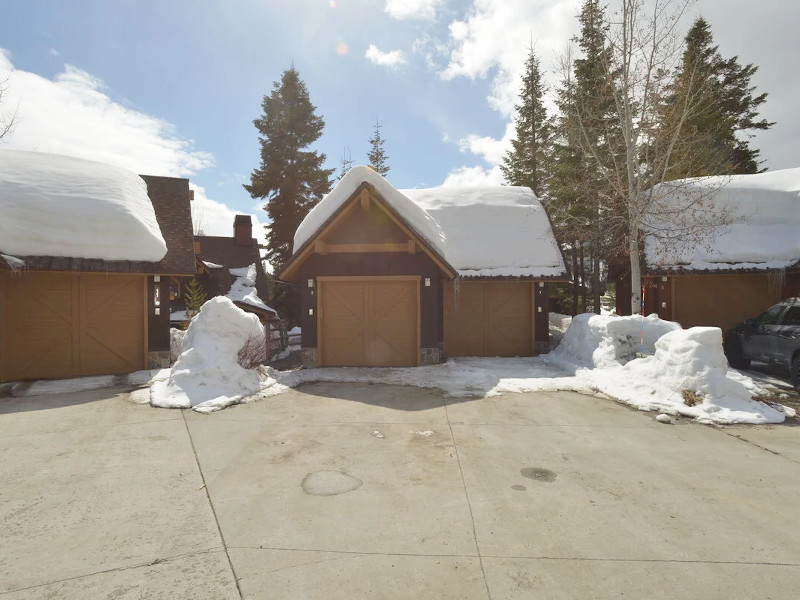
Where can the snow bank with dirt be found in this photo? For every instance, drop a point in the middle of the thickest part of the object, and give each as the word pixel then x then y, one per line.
pixel 207 375
pixel 62 206
pixel 602 341
pixel 688 375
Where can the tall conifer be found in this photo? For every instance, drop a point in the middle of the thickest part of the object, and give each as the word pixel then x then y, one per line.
pixel 290 176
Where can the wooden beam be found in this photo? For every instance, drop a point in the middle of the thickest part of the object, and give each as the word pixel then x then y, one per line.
pixel 320 247
pixel 365 199
pixel 355 248
pixel 412 247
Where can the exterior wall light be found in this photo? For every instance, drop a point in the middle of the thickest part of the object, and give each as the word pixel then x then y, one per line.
pixel 311 283
pixel 427 282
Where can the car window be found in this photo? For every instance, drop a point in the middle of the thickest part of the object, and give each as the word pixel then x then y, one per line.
pixel 771 315
pixel 792 316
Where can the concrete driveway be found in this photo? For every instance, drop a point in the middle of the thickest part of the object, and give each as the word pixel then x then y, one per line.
pixel 367 491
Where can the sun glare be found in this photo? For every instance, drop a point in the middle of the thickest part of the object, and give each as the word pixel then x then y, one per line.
pixel 342 48
pixel 332 3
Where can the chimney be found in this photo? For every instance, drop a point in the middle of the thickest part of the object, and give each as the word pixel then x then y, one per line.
pixel 242 230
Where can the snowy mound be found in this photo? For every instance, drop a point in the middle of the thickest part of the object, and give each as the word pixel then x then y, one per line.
pixel 767 208
pixel 599 341
pixel 692 361
pixel 420 221
pixel 499 231
pixel 207 375
pixel 61 206
pixel 244 288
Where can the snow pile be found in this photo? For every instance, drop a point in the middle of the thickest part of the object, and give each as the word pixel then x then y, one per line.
pixel 688 375
pixel 767 206
pixel 62 206
pixel 558 327
pixel 602 341
pixel 244 288
pixel 500 231
pixel 176 342
pixel 207 375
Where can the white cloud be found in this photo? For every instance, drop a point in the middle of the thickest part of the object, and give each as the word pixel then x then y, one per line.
pixel 474 176
pixel 73 115
pixel 495 38
pixel 391 59
pixel 412 9
pixel 54 52
pixel 490 149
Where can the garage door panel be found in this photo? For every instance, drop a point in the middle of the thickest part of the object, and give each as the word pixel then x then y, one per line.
pixel 70 325
pixel 489 318
pixel 369 322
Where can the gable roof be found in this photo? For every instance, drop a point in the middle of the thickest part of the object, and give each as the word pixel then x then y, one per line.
pixel 766 234
pixel 476 232
pixel 80 215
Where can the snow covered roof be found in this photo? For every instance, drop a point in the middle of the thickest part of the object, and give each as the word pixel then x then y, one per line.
pixel 69 207
pixel 420 221
pixel 499 231
pixel 243 290
pixel 481 231
pixel 766 234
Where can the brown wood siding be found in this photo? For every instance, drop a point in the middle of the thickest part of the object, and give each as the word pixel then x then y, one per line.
pixel 70 324
pixel 368 265
pixel 368 321
pixel 488 318
pixel 722 300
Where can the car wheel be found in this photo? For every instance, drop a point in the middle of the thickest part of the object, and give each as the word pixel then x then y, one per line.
pixel 736 357
pixel 796 373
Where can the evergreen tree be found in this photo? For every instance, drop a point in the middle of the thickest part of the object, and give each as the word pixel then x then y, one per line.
pixel 290 176
pixel 526 164
pixel 377 154
pixel 722 109
pixel 345 162
pixel 588 138
pixel 195 297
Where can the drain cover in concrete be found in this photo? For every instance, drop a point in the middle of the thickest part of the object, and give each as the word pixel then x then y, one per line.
pixel 538 474
pixel 329 483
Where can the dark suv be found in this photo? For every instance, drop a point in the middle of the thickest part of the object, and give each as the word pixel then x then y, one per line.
pixel 773 337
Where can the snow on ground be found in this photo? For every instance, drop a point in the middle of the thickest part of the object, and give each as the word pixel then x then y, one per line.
pixel 244 288
pixel 62 206
pixel 207 375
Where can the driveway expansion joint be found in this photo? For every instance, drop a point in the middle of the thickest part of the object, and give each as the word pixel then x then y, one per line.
pixel 211 505
pixel 469 504
pixel 151 563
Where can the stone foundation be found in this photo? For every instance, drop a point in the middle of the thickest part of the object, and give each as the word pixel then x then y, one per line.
pixel 309 357
pixel 158 360
pixel 540 348
pixel 430 356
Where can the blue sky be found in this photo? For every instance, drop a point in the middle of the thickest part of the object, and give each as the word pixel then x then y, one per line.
pixel 171 87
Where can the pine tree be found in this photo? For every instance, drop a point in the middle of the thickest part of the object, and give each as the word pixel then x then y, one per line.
pixel 587 140
pixel 377 154
pixel 345 163
pixel 721 110
pixel 526 164
pixel 195 297
pixel 290 176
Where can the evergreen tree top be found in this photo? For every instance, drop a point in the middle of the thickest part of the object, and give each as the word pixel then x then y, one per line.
pixel 378 160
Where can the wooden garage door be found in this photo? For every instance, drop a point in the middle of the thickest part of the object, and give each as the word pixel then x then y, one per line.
pixel 488 318
pixel 371 322
pixel 71 324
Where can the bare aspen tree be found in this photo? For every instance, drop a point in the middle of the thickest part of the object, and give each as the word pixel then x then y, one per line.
pixel 7 120
pixel 643 48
